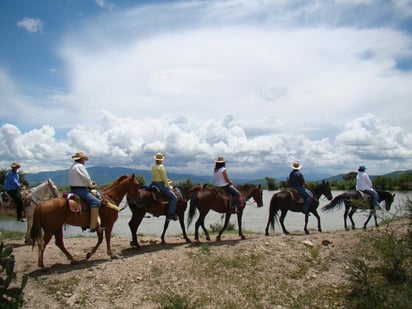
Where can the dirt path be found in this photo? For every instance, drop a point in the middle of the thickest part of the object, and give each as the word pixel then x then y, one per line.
pixel 260 272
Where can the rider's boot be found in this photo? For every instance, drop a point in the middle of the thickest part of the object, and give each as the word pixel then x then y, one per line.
pixel 94 219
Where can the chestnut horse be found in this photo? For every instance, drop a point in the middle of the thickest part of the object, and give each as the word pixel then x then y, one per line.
pixel 209 198
pixel 143 201
pixel 354 200
pixel 51 215
pixel 31 197
pixel 284 201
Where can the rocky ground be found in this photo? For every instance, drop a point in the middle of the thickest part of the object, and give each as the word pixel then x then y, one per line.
pixel 278 271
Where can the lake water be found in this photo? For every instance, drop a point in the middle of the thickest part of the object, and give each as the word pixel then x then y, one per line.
pixel 254 219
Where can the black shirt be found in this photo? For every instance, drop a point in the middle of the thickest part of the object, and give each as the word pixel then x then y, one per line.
pixel 296 179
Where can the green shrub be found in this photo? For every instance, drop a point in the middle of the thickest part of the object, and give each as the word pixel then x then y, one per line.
pixel 10 296
pixel 380 272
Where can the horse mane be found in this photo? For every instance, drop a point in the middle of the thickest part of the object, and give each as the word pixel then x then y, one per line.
pixel 116 181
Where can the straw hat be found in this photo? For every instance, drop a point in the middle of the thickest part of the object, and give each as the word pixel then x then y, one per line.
pixel 296 165
pixel 159 156
pixel 14 165
pixel 220 160
pixel 80 155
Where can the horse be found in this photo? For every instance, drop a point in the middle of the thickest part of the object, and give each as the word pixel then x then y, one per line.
pixel 51 215
pixel 31 197
pixel 209 198
pixel 353 200
pixel 289 199
pixel 144 201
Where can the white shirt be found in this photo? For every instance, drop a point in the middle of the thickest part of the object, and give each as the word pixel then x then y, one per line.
pixel 219 178
pixel 363 182
pixel 78 176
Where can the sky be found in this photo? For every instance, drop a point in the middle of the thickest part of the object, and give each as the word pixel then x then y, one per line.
pixel 262 83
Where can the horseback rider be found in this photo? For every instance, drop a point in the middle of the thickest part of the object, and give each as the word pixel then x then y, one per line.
pixel 364 184
pixel 297 182
pixel 12 186
pixel 160 180
pixel 222 180
pixel 80 184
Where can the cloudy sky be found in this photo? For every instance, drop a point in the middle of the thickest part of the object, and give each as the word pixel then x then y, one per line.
pixel 260 82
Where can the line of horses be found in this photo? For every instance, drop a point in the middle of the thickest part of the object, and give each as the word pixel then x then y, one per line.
pixel 47 212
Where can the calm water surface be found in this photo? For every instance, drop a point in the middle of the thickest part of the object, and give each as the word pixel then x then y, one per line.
pixel 254 219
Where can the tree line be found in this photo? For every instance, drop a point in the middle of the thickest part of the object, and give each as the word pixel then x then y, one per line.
pixel 401 183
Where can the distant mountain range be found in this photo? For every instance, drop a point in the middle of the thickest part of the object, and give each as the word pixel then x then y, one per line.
pixel 105 175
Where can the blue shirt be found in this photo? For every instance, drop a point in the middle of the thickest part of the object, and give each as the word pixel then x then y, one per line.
pixel 11 182
pixel 296 179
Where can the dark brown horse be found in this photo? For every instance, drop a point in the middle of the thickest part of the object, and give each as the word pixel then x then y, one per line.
pixel 51 215
pixel 143 200
pixel 284 201
pixel 209 198
pixel 354 200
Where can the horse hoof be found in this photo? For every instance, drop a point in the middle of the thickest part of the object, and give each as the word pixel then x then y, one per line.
pixel 188 241
pixel 208 238
pixel 217 238
pixel 320 230
pixel 242 237
pixel 73 262
pixel 306 232
pixel 88 255
pixel 134 244
pixel 114 257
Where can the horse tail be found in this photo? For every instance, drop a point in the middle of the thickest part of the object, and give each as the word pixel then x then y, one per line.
pixel 194 201
pixel 336 201
pixel 273 213
pixel 35 232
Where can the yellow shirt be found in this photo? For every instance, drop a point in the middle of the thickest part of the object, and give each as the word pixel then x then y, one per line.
pixel 158 174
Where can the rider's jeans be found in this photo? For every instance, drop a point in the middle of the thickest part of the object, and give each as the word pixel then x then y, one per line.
pixel 306 196
pixel 170 194
pixel 87 196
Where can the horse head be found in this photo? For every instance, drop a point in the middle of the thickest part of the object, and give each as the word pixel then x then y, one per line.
pixel 252 191
pixel 387 197
pixel 326 190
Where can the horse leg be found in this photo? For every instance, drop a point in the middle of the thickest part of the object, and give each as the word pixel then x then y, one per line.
pixel 281 219
pixel 165 226
pixel 59 243
pixel 376 219
pixel 351 213
pixel 182 226
pixel 227 217
pixel 41 247
pixel 239 223
pixel 345 216
pixel 108 234
pixel 315 212
pixel 305 228
pixel 99 233
pixel 29 217
pixel 133 225
pixel 367 220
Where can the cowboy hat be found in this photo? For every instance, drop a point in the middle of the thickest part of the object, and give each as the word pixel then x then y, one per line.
pixel 159 156
pixel 220 160
pixel 14 164
pixel 296 165
pixel 80 155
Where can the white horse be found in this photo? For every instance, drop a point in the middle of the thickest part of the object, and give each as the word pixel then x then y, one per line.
pixel 43 192
pixel 31 197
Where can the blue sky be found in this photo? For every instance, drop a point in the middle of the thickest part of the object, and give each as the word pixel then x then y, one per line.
pixel 262 83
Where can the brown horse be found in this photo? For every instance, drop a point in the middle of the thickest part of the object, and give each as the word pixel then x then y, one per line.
pixel 209 198
pixel 53 214
pixel 143 201
pixel 286 200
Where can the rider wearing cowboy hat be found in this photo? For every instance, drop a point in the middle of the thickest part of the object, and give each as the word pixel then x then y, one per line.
pixel 297 182
pixel 80 184
pixel 12 186
pixel 160 180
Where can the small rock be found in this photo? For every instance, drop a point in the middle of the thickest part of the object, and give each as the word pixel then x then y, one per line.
pixel 308 243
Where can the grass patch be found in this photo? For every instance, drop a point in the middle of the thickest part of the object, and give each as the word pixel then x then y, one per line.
pixel 11 235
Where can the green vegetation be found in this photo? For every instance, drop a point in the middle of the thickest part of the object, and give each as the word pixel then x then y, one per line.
pixel 380 271
pixel 11 296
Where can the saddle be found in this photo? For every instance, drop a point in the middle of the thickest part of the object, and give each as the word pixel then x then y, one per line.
pixel 365 197
pixel 226 198
pixel 296 197
pixel 160 197
pixel 81 205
